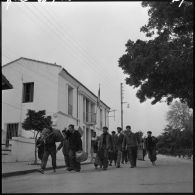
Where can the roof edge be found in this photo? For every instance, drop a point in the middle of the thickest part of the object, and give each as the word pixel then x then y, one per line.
pixel 52 64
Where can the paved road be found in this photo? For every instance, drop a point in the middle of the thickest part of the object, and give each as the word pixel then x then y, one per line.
pixel 170 175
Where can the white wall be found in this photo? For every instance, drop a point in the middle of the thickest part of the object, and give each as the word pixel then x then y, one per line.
pixel 45 81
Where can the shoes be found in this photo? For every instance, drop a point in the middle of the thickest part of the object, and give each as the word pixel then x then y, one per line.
pixel 104 168
pixel 77 170
pixel 41 171
pixel 70 169
pixel 118 166
pixel 132 166
pixel 54 170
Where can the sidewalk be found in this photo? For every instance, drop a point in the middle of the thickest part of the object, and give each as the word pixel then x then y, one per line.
pixel 20 168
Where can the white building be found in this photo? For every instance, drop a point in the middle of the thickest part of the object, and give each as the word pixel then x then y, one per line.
pixel 44 86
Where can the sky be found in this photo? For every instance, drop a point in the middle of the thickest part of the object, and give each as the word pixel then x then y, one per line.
pixel 87 39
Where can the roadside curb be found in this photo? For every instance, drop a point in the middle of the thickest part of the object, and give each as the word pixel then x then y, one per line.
pixel 16 173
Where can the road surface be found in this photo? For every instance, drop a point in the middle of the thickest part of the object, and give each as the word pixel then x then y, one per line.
pixel 170 175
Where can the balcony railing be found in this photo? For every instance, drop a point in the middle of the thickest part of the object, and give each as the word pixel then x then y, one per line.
pixel 89 118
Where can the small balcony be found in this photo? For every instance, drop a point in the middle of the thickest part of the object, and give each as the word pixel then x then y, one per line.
pixel 89 118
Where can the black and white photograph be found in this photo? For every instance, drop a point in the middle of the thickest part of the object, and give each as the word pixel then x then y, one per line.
pixel 97 96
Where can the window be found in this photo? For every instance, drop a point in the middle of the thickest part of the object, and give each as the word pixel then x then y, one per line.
pixel 28 92
pixel 12 131
pixel 70 100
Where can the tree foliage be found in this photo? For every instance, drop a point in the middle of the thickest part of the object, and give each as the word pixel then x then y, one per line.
pixel 162 68
pixel 36 121
pixel 177 137
pixel 180 116
pixel 175 142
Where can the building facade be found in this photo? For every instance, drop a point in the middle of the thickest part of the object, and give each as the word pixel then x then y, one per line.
pixel 44 86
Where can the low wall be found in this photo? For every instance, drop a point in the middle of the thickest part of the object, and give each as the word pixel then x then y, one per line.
pixel 23 150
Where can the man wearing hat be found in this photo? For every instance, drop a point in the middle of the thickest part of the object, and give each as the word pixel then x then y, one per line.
pixel 131 143
pixel 104 146
pixel 113 153
pixel 64 145
pixel 151 142
pixel 49 139
pixel 74 145
pixel 119 142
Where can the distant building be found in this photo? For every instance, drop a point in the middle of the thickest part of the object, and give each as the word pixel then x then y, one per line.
pixel 39 85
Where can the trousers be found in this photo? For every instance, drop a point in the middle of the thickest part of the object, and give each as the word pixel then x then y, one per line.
pixel 152 154
pixel 124 156
pixel 49 151
pixel 103 156
pixel 72 160
pixel 132 155
pixel 119 155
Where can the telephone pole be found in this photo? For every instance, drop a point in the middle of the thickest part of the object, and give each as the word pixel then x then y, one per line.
pixel 122 105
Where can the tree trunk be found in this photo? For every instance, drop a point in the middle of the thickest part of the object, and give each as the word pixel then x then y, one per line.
pixel 35 162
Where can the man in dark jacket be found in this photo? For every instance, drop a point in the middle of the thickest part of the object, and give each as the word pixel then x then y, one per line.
pixel 113 153
pixel 104 146
pixel 64 145
pixel 151 142
pixel 49 138
pixel 119 142
pixel 75 144
pixel 130 142
pixel 124 151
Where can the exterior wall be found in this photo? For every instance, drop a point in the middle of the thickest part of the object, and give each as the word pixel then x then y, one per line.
pixel 45 81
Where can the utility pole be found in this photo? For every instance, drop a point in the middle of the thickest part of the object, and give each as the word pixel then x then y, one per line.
pixel 122 106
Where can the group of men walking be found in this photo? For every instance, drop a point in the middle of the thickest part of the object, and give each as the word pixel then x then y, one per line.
pixel 122 147
pixel 119 147
pixel 70 143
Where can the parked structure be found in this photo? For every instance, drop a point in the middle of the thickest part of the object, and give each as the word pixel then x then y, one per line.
pixel 39 85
